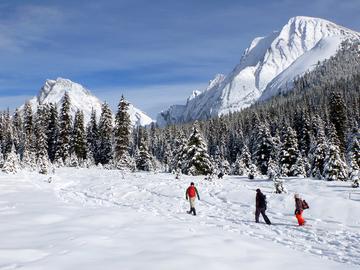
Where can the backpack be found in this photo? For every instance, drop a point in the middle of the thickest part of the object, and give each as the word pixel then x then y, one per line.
pixel 265 202
pixel 191 191
pixel 305 205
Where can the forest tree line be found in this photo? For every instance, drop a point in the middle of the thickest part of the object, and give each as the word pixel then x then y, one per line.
pixel 311 131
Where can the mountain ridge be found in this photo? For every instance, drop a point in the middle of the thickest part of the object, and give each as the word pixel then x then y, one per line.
pixel 81 99
pixel 254 78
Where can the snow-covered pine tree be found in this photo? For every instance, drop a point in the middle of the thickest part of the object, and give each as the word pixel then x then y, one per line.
pixel 337 115
pixel 44 165
pixel 122 134
pixel 196 160
pixel 89 161
pixel 65 127
pixel 144 161
pixel 12 163
pixel 273 169
pixel 18 134
pixel 220 164
pixel 253 171
pixel 279 185
pixel 299 168
pixel 28 157
pixel 254 127
pixel 73 160
pixel 263 148
pixel 167 150
pixel 78 137
pixel 179 147
pixel 318 149
pixel 1 158
pixel 105 135
pixel 335 166
pixel 7 131
pixel 41 121
pixel 28 128
pixel 242 162
pixel 289 153
pixel 354 152
pixel 28 160
pixel 234 144
pixel 355 178
pixel 52 131
pixel 303 131
pixel 92 137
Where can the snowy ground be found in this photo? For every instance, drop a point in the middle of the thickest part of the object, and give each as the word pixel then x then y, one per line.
pixel 99 219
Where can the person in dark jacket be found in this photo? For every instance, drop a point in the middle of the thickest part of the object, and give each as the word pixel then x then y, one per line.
pixel 191 193
pixel 261 207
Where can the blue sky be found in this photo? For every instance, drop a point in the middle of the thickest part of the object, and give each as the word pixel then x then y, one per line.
pixel 155 52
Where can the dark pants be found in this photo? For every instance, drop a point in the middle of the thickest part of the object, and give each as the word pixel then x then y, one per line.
pixel 262 211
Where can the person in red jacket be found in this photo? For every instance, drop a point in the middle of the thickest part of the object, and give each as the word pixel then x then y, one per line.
pixel 191 193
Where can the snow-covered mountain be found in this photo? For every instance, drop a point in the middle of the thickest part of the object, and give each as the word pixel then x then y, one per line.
pixel 81 99
pixel 268 66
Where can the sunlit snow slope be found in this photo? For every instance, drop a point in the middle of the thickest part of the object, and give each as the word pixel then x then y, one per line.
pixel 269 64
pixel 81 99
pixel 105 219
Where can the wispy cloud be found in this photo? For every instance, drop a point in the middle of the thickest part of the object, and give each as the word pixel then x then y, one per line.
pixel 140 45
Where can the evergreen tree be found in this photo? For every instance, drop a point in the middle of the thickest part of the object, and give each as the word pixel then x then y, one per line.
pixel 279 185
pixel 28 160
pixel 79 140
pixel 354 153
pixel 122 134
pixel 7 134
pixel 318 149
pixel 303 131
pixel 335 168
pixel 40 132
pixel 299 168
pixel 289 153
pixel 1 158
pixel 263 149
pixel 41 122
pixel 273 169
pixel 52 131
pixel 89 161
pixel 28 128
pixel 92 137
pixel 74 160
pixel 242 163
pixel 179 148
pixel 43 164
pixel 105 134
pixel 18 133
pixel 196 161
pixel 144 160
pixel 11 164
pixel 253 171
pixel 337 115
pixel 65 126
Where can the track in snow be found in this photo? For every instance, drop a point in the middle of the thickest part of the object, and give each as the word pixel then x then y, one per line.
pixel 227 204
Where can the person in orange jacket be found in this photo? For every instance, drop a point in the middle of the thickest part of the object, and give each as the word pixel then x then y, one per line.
pixel 300 205
pixel 191 193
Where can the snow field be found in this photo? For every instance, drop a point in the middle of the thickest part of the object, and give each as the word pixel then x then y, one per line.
pixel 104 219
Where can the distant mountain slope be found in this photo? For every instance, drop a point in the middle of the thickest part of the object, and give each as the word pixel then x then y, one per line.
pixel 81 99
pixel 268 66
